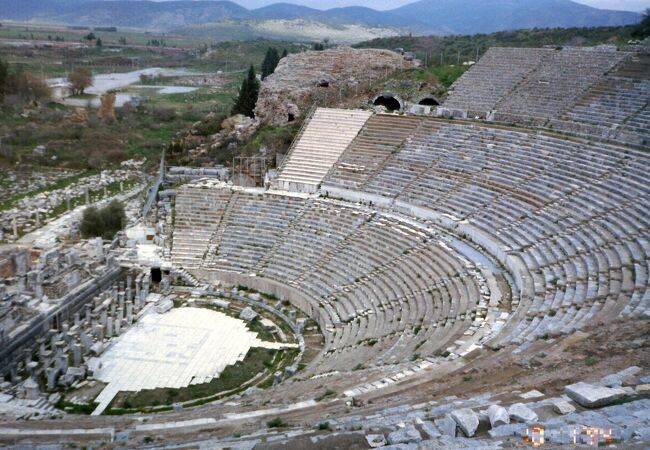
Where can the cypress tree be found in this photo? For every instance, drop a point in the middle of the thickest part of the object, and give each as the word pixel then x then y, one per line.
pixel 250 89
pixel 284 53
pixel 271 61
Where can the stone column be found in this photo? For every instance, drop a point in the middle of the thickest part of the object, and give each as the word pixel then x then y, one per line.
pixel 37 219
pixel 109 327
pixel 118 325
pixel 98 331
pixel 31 368
pixel 77 319
pixel 85 340
pixel 87 197
pixel 76 354
pixel 14 225
pixel 52 374
pixel 67 201
pixel 129 313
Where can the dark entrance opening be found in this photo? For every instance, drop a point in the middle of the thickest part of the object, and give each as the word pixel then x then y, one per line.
pixel 291 118
pixel 324 84
pixel 428 101
pixel 390 103
pixel 156 275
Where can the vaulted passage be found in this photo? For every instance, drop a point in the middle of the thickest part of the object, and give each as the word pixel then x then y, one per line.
pixel 389 102
pixel 428 101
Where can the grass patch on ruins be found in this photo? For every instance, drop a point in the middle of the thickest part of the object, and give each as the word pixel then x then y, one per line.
pixel 257 360
pixel 61 184
pixel 75 408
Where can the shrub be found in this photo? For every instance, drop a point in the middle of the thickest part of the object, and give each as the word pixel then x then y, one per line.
pixel 163 114
pixel 104 222
pixel 276 423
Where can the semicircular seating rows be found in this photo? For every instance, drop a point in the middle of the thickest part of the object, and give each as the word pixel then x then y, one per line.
pixel 382 288
pixel 569 217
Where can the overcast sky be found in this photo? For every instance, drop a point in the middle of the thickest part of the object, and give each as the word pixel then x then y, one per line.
pixel 629 5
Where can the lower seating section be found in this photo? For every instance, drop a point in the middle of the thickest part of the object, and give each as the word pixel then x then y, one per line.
pixel 197 216
pixel 323 138
pixel 570 217
pixel 386 289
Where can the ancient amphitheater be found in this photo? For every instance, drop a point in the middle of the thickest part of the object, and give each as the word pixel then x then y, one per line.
pixel 429 249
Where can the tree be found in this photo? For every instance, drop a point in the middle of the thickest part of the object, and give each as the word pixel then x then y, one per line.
pixel 642 30
pixel 271 61
pixel 104 222
pixel 27 87
pixel 79 79
pixel 250 89
pixel 90 36
pixel 98 42
pixel 318 46
pixel 4 74
pixel 284 53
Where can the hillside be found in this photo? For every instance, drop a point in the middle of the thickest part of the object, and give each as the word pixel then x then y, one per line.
pixel 453 49
pixel 422 17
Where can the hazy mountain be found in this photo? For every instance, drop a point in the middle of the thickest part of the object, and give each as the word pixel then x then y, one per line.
pixel 424 16
pixel 487 16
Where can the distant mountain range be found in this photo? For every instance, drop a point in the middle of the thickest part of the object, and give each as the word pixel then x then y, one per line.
pixel 421 17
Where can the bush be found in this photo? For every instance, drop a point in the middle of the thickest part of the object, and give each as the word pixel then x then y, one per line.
pixel 276 423
pixel 104 222
pixel 164 114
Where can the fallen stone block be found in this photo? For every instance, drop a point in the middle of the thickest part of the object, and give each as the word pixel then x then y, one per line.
pixel 467 420
pixel 430 429
pixel 643 389
pixel 519 412
pixel 592 396
pixel 446 425
pixel 498 415
pixel 563 407
pixel 376 440
pixel 404 436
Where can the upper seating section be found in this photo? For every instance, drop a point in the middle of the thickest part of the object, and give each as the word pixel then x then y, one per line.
pixel 493 78
pixel 321 141
pixel 617 107
pixel 569 218
pixel 556 84
pixel 593 91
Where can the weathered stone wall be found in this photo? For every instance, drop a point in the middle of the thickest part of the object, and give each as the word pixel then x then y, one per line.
pixel 329 77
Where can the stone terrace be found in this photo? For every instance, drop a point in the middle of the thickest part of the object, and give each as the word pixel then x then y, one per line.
pixel 569 219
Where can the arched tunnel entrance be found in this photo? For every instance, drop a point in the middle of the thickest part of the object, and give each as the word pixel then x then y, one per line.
pixel 428 101
pixel 389 101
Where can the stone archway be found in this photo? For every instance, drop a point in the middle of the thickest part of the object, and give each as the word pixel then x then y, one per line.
pixel 390 101
pixel 428 100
